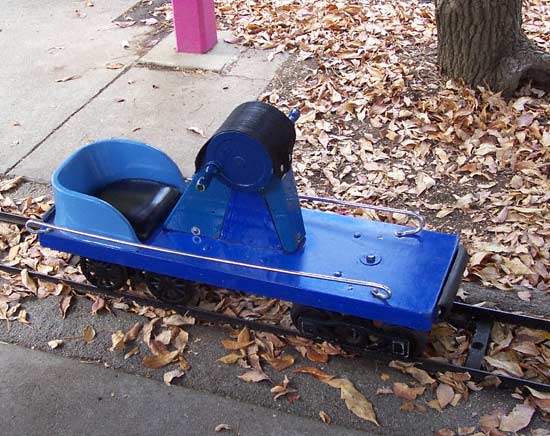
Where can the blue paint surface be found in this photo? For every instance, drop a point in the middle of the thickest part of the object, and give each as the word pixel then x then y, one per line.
pixel 263 227
pixel 96 165
pixel 414 268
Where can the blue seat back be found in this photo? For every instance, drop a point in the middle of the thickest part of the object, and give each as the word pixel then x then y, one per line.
pixel 90 168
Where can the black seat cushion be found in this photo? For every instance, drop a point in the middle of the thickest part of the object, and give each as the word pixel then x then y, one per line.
pixel 145 203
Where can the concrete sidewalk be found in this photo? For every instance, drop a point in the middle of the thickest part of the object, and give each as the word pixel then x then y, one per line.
pixel 72 77
pixel 42 394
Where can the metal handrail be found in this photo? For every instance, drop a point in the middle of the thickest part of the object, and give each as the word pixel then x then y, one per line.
pixel 380 291
pixel 415 215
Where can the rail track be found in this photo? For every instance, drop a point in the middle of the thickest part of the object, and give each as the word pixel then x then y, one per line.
pixel 480 320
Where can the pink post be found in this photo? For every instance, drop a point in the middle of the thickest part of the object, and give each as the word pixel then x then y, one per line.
pixel 195 25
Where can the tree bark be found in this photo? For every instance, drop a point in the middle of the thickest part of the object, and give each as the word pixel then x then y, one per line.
pixel 481 41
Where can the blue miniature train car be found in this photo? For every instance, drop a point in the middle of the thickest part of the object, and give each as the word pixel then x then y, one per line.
pixel 124 206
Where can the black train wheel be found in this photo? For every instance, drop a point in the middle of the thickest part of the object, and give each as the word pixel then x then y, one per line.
pixel 170 289
pixel 357 333
pixel 104 275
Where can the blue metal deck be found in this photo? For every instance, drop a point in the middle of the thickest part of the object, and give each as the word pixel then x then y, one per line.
pixel 414 267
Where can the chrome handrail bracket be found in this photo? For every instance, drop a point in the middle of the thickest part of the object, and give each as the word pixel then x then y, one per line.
pixel 419 227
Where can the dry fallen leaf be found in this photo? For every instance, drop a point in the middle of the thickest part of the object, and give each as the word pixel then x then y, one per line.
pixel 445 395
pixel 444 432
pixel 178 320
pixel 510 367
pixel 282 389
pixel 402 390
pixel 28 281
pixel 114 66
pixel 157 361
pixel 518 418
pixel 355 400
pixel 6 185
pixel 171 375
pixel 325 417
pixel 131 353
pixel 98 304
pixel 408 368
pixel 315 372
pixel 254 376
pixel 230 358
pixel 68 78
pixel 64 305
pixel 53 344
pixel 280 363
pixel 243 341
pixel 88 334
pixel 132 334
pixel 196 130
pixel 180 340
pixel 222 427
pixel 117 339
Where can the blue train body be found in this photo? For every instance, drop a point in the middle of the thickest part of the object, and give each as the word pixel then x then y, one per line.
pixel 238 224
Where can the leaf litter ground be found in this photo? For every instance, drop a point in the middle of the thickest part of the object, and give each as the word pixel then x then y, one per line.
pixel 378 125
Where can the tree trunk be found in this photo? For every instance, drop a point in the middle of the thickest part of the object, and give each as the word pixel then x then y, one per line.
pixel 481 41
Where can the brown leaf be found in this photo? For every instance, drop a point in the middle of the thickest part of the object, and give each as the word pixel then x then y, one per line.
pixel 408 368
pixel 316 355
pixel 510 367
pixel 408 406
pixel 281 362
pixel 53 344
pixel 64 305
pixel 464 431
pixel 315 372
pixel 325 417
pixel 282 389
pixel 131 353
pixel 148 330
pixel 132 334
pixel 171 375
pixel 164 337
pixel 230 358
pixel 6 185
pixel 233 345
pixel 98 304
pixel 518 418
pixel 157 361
pixel 67 78
pixel 181 339
pixel 402 390
pixel 88 334
pixel 183 363
pixel 488 422
pixel 254 376
pixel 28 281
pixel 355 400
pixel 178 320
pixel 537 394
pixel 197 130
pixel 243 341
pixel 114 66
pixel 117 339
pixel 22 317
pixel 445 395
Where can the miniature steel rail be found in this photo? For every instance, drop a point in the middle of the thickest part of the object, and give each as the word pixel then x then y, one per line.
pixel 482 316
